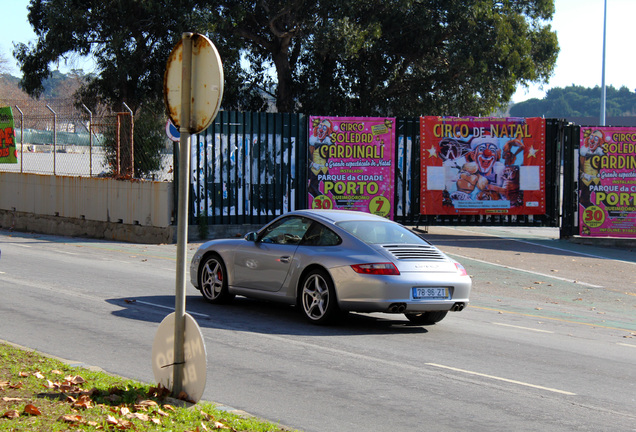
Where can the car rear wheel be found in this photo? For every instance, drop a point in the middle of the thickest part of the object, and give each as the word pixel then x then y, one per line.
pixel 318 297
pixel 213 280
pixel 426 318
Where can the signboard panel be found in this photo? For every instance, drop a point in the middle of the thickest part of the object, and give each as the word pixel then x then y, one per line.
pixel 8 150
pixel 482 166
pixel 351 164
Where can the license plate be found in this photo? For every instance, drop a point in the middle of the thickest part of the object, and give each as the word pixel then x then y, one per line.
pixel 430 293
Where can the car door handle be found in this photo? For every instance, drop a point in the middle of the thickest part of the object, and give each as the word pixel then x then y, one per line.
pixel 284 259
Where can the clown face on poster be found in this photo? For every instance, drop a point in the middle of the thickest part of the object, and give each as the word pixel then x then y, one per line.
pixel 607 186
pixel 482 166
pixel 351 164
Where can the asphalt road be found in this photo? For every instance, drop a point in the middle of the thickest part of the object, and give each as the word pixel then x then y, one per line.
pixel 547 344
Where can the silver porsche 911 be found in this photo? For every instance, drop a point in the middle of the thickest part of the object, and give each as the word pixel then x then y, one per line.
pixel 327 261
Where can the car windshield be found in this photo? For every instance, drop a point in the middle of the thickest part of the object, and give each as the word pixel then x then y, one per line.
pixel 380 232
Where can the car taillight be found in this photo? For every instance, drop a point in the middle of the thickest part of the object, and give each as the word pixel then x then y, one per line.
pixel 376 269
pixel 460 268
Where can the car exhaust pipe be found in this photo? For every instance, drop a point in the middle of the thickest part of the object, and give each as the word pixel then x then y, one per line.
pixel 397 308
pixel 458 307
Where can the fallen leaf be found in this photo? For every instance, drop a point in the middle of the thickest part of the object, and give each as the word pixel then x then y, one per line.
pixel 147 403
pixel 75 379
pixel 70 418
pixel 11 399
pixel 32 410
pixel 111 420
pixel 38 375
pixel 84 402
pixel 169 408
pixel 57 372
pixel 125 424
pixel 23 374
pixel 141 416
pixel 206 416
pixel 11 414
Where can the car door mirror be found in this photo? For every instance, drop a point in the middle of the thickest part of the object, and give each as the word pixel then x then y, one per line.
pixel 251 236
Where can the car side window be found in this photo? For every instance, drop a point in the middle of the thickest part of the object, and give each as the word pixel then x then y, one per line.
pixel 320 235
pixel 289 230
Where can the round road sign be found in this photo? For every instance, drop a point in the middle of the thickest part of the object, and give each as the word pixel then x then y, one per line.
pixel 196 360
pixel 207 84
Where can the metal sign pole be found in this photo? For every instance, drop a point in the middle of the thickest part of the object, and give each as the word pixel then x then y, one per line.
pixel 182 214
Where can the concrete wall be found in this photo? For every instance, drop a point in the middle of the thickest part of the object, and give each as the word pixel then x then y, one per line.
pixel 136 211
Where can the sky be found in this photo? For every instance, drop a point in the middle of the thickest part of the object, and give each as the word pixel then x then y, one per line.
pixel 578 23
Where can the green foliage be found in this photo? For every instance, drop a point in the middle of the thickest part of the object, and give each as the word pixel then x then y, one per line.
pixel 129 40
pixel 578 101
pixel 399 57
pixel 149 142
pixel 363 57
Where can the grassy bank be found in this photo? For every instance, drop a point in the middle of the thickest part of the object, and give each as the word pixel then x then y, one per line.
pixel 39 393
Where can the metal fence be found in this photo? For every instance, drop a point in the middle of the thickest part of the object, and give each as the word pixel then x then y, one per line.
pixel 248 168
pixel 54 138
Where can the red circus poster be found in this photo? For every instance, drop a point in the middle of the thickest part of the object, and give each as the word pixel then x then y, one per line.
pixel 607 186
pixel 482 166
pixel 351 164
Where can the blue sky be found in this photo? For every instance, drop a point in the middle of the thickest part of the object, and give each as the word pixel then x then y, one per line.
pixel 578 23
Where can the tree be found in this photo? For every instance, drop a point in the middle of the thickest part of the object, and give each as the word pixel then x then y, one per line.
pixel 399 57
pixel 129 40
pixel 347 57
pixel 577 101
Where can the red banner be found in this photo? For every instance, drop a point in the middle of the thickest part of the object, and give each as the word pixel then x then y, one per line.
pixel 484 166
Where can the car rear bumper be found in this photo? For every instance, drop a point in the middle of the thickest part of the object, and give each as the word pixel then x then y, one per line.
pixel 364 293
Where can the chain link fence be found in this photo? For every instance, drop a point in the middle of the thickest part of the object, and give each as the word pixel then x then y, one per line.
pixel 52 137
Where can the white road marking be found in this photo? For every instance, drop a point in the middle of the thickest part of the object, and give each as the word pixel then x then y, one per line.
pixel 392 364
pixel 170 308
pixel 627 345
pixel 522 328
pixel 521 383
pixel 544 246
pixel 527 271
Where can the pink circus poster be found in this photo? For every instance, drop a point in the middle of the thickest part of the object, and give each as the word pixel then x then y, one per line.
pixel 351 164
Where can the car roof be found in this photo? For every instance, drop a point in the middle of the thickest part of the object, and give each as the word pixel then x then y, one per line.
pixel 335 216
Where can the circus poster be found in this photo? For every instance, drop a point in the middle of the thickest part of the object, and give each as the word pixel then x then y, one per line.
pixel 482 166
pixel 351 164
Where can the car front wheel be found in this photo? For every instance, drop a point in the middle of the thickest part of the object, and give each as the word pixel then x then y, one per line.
pixel 318 297
pixel 213 280
pixel 426 318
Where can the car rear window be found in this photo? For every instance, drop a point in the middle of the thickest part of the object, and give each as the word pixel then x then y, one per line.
pixel 380 232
